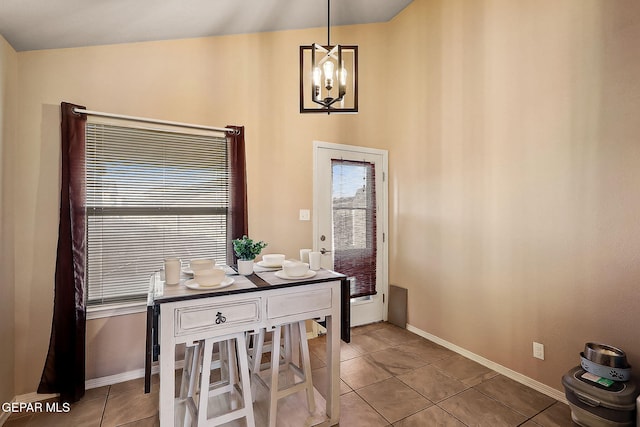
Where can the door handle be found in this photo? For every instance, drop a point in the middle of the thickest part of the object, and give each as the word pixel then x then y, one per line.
pixel 324 251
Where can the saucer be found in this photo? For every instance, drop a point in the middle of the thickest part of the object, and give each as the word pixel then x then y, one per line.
pixel 265 265
pixel 189 272
pixel 192 284
pixel 308 275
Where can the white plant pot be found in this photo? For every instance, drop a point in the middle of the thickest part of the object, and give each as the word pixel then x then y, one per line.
pixel 245 267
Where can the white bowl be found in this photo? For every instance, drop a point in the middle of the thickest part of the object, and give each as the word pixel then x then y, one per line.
pixel 209 277
pixel 201 264
pixel 295 268
pixel 273 260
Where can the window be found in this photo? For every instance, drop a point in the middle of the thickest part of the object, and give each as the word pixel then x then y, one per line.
pixel 151 194
pixel 354 224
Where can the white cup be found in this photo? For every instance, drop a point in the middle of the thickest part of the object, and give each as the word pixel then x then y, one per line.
pixel 314 260
pixel 304 255
pixel 172 268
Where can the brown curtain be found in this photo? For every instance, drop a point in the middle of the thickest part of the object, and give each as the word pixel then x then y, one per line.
pixel 237 215
pixel 64 369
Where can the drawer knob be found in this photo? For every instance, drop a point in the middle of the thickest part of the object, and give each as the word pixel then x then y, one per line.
pixel 220 318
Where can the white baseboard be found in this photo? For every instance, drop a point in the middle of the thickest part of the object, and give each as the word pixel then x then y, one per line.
pixel 25 398
pixel 117 378
pixel 110 380
pixel 509 373
pixel 33 397
pixel 124 376
pixel 93 383
pixel 316 330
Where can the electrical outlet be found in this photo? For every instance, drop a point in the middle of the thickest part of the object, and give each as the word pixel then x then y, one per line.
pixel 305 215
pixel 538 350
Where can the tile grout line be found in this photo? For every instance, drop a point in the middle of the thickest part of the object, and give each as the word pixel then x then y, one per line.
pixel 104 408
pixel 374 409
pixel 452 415
pixel 528 418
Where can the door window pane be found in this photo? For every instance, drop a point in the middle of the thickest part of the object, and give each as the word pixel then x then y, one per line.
pixel 354 224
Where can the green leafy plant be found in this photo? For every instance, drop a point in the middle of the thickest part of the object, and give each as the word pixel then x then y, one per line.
pixel 246 249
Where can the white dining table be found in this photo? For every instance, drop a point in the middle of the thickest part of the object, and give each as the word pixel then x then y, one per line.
pixel 177 314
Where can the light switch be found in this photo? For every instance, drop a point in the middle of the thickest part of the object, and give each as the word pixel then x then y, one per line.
pixel 305 215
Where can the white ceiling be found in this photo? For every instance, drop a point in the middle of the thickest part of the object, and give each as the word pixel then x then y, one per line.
pixel 51 24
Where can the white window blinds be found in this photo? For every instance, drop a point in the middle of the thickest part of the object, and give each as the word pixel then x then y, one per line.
pixel 150 194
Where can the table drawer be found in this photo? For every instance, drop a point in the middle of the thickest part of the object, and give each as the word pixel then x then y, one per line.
pixel 208 317
pixel 298 302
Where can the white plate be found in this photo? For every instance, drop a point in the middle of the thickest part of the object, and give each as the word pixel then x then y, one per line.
pixel 281 274
pixel 192 284
pixel 265 265
pixel 189 272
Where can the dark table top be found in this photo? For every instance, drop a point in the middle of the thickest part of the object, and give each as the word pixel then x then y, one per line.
pixel 160 292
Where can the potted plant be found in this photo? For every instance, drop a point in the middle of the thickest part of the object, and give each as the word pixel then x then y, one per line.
pixel 247 250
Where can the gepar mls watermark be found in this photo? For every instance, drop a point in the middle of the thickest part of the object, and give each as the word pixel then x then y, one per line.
pixel 32 407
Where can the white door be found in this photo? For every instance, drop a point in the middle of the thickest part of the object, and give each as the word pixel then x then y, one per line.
pixel 350 223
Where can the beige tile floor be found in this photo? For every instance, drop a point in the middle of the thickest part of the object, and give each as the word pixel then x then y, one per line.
pixel 389 377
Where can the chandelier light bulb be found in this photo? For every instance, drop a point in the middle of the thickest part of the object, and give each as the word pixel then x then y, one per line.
pixel 343 76
pixel 317 75
pixel 328 74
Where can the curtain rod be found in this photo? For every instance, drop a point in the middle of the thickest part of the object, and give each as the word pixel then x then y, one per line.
pixel 155 121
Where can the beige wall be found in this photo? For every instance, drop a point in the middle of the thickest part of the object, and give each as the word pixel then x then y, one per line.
pixel 251 80
pixel 510 131
pixel 8 100
pixel 515 176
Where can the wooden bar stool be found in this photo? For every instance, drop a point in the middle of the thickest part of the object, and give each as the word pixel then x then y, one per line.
pixel 229 396
pixel 189 382
pixel 282 360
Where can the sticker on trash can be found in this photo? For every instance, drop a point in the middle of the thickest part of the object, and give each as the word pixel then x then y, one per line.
pixel 596 379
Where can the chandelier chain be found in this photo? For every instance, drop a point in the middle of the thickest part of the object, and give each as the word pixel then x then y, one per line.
pixel 328 22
